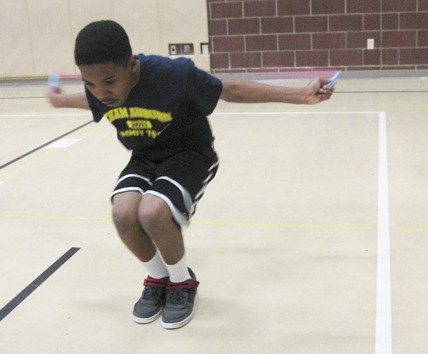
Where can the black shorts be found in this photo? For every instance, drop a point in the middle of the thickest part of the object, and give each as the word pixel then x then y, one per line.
pixel 179 180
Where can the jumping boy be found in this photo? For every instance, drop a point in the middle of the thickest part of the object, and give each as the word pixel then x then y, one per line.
pixel 159 107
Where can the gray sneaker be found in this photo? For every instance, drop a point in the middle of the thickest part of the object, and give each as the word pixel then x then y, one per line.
pixel 180 303
pixel 149 307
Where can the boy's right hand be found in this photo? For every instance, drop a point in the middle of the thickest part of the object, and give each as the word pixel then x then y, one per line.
pixel 58 99
pixel 53 96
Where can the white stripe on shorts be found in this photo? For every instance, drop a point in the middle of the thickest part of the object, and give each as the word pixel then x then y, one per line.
pixel 205 183
pixel 180 218
pixel 136 176
pixel 127 189
pixel 186 195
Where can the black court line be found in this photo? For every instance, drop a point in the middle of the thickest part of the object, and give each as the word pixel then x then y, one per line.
pixel 36 283
pixel 46 144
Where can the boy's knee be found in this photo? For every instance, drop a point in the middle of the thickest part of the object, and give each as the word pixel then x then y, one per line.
pixel 124 217
pixel 153 211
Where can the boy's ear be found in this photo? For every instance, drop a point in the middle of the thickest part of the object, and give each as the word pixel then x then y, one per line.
pixel 133 61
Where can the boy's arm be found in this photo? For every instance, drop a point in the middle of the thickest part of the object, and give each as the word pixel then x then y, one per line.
pixel 58 99
pixel 254 92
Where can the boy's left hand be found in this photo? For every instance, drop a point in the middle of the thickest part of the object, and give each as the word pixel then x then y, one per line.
pixel 317 91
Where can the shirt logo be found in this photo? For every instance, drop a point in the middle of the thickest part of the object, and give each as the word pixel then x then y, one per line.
pixel 139 121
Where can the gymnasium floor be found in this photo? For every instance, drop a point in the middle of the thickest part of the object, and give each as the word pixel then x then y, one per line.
pixel 313 237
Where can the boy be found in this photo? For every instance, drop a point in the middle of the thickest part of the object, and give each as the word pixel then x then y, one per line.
pixel 159 107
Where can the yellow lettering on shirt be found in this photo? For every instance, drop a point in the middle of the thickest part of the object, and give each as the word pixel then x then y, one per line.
pixel 139 112
pixel 139 124
pixel 117 113
pixel 140 121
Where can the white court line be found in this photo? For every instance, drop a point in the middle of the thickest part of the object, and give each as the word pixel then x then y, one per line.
pixel 383 336
pixel 47 115
pixel 62 143
pixel 383 297
pixel 294 113
pixel 213 114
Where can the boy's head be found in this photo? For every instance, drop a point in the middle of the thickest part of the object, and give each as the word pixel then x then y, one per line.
pixel 102 42
pixel 108 67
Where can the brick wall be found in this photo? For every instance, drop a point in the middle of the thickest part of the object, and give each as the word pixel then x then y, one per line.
pixel 283 35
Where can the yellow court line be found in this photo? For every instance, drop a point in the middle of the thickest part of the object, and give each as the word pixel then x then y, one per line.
pixel 89 129
pixel 43 155
pixel 26 165
pixel 53 217
pixel 423 229
pixel 227 223
pixel 218 223
pixel 288 226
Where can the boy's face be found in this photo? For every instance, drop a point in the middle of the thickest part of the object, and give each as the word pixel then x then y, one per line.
pixel 111 83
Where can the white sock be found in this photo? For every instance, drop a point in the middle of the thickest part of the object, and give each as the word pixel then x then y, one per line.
pixel 178 272
pixel 156 267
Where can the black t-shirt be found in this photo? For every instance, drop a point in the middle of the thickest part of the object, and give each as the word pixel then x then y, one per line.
pixel 166 112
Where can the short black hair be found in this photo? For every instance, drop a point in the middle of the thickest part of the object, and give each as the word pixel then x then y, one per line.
pixel 101 42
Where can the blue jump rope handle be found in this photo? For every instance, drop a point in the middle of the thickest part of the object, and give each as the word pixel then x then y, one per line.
pixel 333 79
pixel 53 80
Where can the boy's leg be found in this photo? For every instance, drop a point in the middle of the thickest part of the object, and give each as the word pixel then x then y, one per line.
pixel 125 217
pixel 156 219
pixel 169 203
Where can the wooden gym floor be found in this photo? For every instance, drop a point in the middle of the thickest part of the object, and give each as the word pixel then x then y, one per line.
pixel 313 237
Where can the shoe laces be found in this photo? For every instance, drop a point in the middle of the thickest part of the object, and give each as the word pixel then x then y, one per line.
pixel 178 292
pixel 152 287
pixel 176 296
